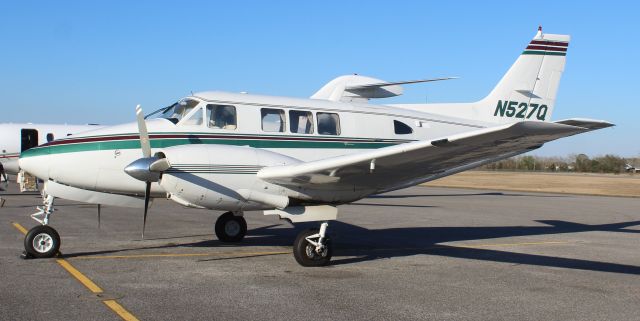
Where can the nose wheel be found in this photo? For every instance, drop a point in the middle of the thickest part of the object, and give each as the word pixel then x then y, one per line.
pixel 313 247
pixel 231 228
pixel 42 241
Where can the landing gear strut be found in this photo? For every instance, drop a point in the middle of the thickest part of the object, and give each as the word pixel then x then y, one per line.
pixel 42 241
pixel 230 227
pixel 313 247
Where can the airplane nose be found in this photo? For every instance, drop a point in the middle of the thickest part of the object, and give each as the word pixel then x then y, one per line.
pixel 11 166
pixel 35 161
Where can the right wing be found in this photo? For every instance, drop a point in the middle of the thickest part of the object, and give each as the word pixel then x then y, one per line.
pixel 396 166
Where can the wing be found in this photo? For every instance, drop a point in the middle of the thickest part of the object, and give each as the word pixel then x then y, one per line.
pixel 411 163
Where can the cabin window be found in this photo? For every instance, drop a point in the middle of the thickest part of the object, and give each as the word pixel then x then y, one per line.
pixel 273 120
pixel 49 137
pixel 301 122
pixel 328 124
pixel 401 128
pixel 222 116
pixel 195 119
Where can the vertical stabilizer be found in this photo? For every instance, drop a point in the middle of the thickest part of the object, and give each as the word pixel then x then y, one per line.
pixel 528 90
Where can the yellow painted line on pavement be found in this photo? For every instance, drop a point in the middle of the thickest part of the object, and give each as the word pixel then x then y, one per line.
pixel 118 309
pixel 79 276
pixel 142 256
pixel 111 304
pixel 20 228
pixel 510 244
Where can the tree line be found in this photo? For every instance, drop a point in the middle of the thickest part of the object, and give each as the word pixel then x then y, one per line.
pixel 580 163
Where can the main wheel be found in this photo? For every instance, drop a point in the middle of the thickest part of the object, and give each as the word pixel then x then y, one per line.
pixel 42 241
pixel 231 228
pixel 305 252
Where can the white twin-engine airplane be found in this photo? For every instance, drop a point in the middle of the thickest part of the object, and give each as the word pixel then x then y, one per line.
pixel 300 158
pixel 16 138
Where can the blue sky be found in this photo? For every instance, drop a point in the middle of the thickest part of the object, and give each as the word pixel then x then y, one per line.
pixel 92 62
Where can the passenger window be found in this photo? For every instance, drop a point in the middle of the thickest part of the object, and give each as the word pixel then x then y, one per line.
pixel 49 137
pixel 401 128
pixel 222 116
pixel 328 124
pixel 195 119
pixel 273 120
pixel 301 122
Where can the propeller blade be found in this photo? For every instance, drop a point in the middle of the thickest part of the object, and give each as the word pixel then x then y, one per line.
pixel 144 134
pixel 160 165
pixel 98 216
pixel 147 195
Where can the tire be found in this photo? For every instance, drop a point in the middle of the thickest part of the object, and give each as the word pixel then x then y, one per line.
pixel 42 241
pixel 230 228
pixel 305 253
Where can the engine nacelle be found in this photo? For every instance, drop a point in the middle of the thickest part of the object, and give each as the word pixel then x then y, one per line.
pixel 222 177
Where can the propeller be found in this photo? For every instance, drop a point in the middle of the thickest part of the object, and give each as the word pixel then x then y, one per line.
pixel 148 168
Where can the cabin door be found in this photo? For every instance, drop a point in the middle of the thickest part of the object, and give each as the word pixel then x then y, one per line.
pixel 29 139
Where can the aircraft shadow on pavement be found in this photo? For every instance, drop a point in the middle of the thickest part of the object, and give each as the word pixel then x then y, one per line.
pixel 262 236
pixel 359 244
pixel 387 196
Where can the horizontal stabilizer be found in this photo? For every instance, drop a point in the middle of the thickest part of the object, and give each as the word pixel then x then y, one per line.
pixel 585 123
pixel 356 88
pixel 385 84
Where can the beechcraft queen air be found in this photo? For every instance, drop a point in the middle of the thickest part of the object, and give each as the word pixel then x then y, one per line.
pixel 300 158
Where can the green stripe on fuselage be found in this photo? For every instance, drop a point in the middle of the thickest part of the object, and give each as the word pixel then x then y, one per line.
pixel 168 142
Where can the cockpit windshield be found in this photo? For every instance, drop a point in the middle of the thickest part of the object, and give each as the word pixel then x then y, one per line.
pixel 175 112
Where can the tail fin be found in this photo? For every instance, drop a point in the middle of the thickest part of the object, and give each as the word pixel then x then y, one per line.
pixel 528 90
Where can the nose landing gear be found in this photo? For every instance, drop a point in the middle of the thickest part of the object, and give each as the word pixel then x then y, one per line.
pixel 42 241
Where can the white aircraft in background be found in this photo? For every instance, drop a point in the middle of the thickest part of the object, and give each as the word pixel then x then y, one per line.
pixel 630 168
pixel 18 137
pixel 300 158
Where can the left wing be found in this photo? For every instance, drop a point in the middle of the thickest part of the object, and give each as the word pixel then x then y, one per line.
pixel 411 163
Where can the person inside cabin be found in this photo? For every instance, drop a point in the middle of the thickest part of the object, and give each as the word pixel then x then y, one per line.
pixel 223 117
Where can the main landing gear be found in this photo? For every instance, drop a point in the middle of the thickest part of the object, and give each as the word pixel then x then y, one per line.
pixel 42 241
pixel 313 247
pixel 231 227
